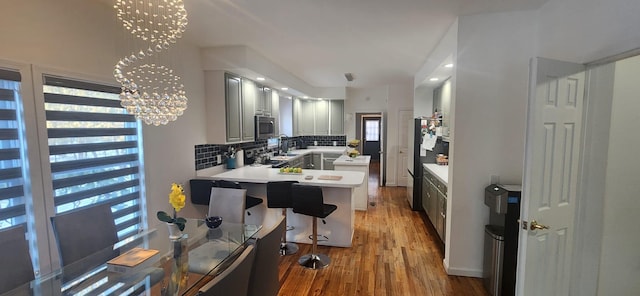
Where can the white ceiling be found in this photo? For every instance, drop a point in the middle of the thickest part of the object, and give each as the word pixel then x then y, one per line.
pixel 379 41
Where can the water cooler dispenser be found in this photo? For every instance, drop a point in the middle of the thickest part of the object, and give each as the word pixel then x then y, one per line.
pixel 501 239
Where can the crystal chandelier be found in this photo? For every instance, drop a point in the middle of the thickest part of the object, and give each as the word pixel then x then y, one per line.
pixel 151 91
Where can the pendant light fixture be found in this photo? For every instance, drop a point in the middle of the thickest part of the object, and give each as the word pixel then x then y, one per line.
pixel 151 90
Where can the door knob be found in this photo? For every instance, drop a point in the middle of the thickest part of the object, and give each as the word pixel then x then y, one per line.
pixel 535 226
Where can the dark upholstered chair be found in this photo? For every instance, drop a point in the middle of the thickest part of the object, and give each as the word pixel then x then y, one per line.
pixel 279 196
pixel 235 279
pixel 16 262
pixel 264 279
pixel 201 191
pixel 85 238
pixel 308 200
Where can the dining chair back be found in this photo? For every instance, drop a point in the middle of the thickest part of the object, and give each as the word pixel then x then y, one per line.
pixel 86 236
pixel 227 203
pixel 250 201
pixel 264 274
pixel 16 262
pixel 235 279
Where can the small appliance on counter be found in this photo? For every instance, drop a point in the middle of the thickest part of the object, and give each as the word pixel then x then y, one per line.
pixel 301 144
pixel 501 238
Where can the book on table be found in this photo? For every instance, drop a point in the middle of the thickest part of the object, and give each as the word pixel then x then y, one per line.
pixel 133 260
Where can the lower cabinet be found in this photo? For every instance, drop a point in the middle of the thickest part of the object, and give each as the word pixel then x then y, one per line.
pixel 434 202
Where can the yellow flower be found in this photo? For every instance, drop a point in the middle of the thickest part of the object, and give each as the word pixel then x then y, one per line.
pixel 176 197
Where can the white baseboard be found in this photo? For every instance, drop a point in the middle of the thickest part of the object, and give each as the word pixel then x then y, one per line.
pixel 462 271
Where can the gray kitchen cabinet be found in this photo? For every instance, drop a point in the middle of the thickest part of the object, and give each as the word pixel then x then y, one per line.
pixel 311 117
pixel 233 107
pixel 433 200
pixel 317 160
pixel 321 115
pixel 249 94
pixel 263 100
pixel 306 118
pixel 426 195
pixel 308 161
pixel 275 110
pixel 328 159
pixel 336 112
pixel 442 215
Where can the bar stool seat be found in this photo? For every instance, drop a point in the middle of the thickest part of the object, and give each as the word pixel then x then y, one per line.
pixel 279 197
pixel 308 200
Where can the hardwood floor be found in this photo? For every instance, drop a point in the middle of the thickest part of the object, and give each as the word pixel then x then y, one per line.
pixel 393 253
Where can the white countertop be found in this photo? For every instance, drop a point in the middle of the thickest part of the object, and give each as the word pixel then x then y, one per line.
pixel 362 160
pixel 264 174
pixel 293 154
pixel 440 171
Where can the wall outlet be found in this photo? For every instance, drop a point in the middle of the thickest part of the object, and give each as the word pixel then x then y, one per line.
pixel 219 159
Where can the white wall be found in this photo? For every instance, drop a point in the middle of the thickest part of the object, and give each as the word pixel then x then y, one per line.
pixel 389 99
pixel 82 37
pixel 583 31
pixel 489 100
pixel 620 259
pixel 423 101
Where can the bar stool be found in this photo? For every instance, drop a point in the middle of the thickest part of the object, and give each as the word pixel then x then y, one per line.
pixel 279 197
pixel 250 201
pixel 308 200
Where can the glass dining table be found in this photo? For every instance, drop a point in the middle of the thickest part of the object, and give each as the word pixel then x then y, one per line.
pixel 180 267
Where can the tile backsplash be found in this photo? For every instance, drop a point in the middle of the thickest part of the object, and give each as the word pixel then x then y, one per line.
pixel 206 155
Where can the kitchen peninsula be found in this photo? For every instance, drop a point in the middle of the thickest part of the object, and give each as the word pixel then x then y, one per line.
pixel 337 188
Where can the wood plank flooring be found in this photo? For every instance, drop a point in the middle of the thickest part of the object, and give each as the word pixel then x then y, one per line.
pixel 393 253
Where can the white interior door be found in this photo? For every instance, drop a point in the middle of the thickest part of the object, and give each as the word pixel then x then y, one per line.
pixel 404 119
pixel 552 149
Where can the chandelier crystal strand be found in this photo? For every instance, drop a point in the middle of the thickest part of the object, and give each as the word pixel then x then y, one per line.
pixel 152 92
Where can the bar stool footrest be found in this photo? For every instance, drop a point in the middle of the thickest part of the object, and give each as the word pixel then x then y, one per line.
pixel 288 249
pixel 314 261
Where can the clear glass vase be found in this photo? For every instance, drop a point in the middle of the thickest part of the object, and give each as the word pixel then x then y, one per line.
pixel 179 267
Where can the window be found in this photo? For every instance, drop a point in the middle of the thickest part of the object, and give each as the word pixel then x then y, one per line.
pixel 13 201
pixel 94 151
pixel 372 130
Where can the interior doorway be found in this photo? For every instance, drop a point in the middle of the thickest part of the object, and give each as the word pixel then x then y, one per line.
pixel 371 137
pixel 370 128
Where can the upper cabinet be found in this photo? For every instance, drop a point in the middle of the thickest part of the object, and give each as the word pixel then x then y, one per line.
pixel 264 101
pixel 337 117
pixel 324 117
pixel 231 106
pixel 250 94
pixel 442 104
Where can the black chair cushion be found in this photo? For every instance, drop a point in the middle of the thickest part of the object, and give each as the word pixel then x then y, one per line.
pixel 308 200
pixel 201 191
pixel 250 201
pixel 279 194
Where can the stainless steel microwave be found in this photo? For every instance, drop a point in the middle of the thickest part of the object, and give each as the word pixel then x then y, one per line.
pixel 265 127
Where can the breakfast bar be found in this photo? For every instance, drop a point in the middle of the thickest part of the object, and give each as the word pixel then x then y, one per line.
pixel 337 188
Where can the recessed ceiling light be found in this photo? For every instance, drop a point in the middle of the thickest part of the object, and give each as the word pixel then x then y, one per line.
pixel 260 78
pixel 448 66
pixel 289 97
pixel 434 79
pixel 285 88
pixel 319 99
pixel 305 97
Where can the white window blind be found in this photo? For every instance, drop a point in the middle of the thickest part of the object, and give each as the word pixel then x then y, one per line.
pixel 95 151
pixel 13 184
